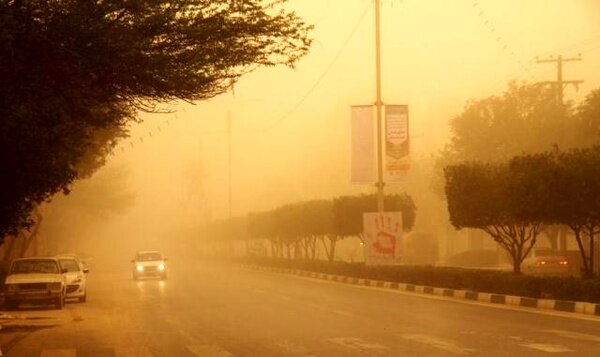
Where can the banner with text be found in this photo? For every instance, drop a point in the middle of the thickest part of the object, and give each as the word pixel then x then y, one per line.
pixel 363 145
pixel 383 238
pixel 397 149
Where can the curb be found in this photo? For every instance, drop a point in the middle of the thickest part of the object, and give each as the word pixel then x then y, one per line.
pixel 587 308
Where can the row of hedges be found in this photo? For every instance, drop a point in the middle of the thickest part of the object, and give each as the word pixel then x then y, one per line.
pixel 488 281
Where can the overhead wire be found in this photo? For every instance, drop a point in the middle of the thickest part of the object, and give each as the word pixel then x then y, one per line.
pixel 592 41
pixel 503 44
pixel 325 72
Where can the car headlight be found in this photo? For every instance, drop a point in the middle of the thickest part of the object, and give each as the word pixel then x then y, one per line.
pixel 54 286
pixel 76 281
pixel 12 287
pixel 161 267
pixel 140 268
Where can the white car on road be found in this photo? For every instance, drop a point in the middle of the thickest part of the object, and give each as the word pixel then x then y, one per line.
pixel 149 263
pixel 36 281
pixel 74 272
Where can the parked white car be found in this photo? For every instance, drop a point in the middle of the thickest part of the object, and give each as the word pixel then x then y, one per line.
pixel 36 281
pixel 74 272
pixel 82 263
pixel 149 263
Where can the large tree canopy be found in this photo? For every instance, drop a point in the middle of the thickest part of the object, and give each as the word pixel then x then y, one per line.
pixel 70 69
pixel 524 119
pixel 512 201
pixel 500 199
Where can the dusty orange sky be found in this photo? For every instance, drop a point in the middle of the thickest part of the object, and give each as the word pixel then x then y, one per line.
pixel 290 127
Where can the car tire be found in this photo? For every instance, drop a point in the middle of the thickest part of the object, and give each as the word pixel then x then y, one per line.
pixel 11 304
pixel 60 302
pixel 83 298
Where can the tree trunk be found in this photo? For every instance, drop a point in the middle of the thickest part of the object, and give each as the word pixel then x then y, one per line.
pixel 325 247
pixel 313 247
pixel 517 260
pixel 33 235
pixel 584 258
pixel 332 243
pixel 516 266
pixel 591 253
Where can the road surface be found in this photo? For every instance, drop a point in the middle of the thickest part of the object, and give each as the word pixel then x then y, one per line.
pixel 207 309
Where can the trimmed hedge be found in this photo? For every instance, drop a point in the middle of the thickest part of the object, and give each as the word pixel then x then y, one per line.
pixel 487 281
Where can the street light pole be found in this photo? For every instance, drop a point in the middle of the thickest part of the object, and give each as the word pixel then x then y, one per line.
pixel 229 160
pixel 378 105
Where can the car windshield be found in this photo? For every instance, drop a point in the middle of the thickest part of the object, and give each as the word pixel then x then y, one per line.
pixel 69 265
pixel 34 266
pixel 146 257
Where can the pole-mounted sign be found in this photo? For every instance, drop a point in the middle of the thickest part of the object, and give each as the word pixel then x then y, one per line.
pixel 397 148
pixel 383 238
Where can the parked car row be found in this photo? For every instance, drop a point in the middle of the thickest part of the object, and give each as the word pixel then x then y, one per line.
pixel 45 280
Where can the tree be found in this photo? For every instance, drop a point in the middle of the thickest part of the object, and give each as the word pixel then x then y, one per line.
pixel 501 199
pixel 348 212
pixel 496 128
pixel 588 113
pixel 348 215
pixel 301 224
pixel 576 187
pixel 69 69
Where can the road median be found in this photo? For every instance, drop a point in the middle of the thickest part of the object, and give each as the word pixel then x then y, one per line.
pixel 581 307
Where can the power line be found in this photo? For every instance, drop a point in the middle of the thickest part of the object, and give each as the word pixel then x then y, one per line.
pixel 322 76
pixel 560 83
pixel 593 41
pixel 502 43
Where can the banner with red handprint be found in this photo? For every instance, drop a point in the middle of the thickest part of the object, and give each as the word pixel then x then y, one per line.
pixel 383 238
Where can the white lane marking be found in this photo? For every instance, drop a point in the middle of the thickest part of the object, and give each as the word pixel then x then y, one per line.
pixel 59 353
pixel 357 344
pixel 438 343
pixel 548 348
pixel 575 335
pixel 208 350
pixel 131 351
pixel 293 349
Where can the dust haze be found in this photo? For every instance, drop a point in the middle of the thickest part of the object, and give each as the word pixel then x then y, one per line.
pixel 289 138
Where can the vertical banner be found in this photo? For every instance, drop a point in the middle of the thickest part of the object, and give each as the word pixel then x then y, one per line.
pixel 383 238
pixel 363 145
pixel 397 149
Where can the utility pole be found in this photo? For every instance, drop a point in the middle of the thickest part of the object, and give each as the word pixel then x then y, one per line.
pixel 229 160
pixel 378 105
pixel 560 83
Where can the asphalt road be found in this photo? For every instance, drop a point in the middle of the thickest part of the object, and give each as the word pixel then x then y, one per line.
pixel 216 310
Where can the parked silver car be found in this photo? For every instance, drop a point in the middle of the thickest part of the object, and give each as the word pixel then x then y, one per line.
pixel 75 277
